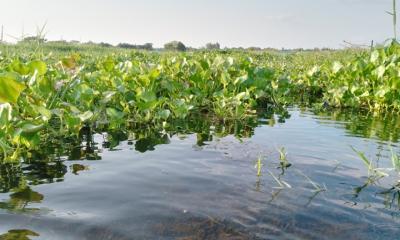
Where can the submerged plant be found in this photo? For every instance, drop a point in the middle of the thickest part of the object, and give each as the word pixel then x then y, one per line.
pixel 317 188
pixel 284 163
pixel 395 160
pixel 375 174
pixel 282 184
pixel 372 170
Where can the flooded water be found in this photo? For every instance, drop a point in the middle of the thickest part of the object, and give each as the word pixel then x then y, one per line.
pixel 197 180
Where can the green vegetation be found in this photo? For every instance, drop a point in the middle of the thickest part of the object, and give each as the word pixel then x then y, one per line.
pixel 375 174
pixel 283 159
pixel 175 46
pixel 53 89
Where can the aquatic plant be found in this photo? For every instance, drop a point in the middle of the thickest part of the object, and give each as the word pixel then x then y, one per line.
pixel 373 171
pixel 48 92
pixel 395 160
pixel 282 184
pixel 375 174
pixel 259 166
pixel 284 163
pixel 317 187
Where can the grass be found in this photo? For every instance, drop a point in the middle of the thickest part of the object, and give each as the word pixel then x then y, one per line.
pixel 395 160
pixel 372 170
pixel 375 174
pixel 281 183
pixel 317 187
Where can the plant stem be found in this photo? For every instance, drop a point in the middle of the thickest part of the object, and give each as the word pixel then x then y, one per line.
pixel 394 20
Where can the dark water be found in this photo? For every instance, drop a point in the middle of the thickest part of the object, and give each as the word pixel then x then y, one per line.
pixel 197 180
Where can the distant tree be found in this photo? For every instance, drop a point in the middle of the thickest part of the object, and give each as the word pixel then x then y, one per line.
pixel 33 39
pixel 213 46
pixel 175 46
pixel 103 44
pixel 58 42
pixel 126 45
pixel 146 46
pixel 254 49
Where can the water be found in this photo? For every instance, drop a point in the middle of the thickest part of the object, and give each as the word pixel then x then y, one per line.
pixel 197 181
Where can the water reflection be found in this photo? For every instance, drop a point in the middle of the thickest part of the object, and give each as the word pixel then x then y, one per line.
pixel 47 164
pixel 33 173
pixel 392 197
pixel 201 228
pixel 76 168
pixel 19 234
pixel 65 161
pixel 19 200
pixel 384 126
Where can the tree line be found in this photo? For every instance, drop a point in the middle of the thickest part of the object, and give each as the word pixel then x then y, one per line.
pixel 170 46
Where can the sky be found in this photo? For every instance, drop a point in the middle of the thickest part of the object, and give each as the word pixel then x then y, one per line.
pixel 232 23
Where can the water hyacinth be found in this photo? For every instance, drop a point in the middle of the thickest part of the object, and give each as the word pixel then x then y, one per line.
pixel 69 92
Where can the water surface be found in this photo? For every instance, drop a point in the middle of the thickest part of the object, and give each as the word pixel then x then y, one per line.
pixel 197 180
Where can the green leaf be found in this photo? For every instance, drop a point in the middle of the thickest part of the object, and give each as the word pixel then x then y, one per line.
pixel 313 71
pixel 164 114
pixel 5 114
pixel 241 79
pixel 46 113
pixel 148 96
pixel 10 88
pixel 337 66
pixel 380 71
pixel 69 62
pixel 31 128
pixel 85 116
pixel 382 92
pixel 375 56
pixel 114 114
pixel 242 95
pixel 366 161
pixel 107 96
pixel 395 160
pixel 109 65
pixel 19 67
pixel 38 66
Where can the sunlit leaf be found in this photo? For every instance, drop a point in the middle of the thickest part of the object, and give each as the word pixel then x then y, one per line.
pixel 39 66
pixel 337 66
pixel 380 71
pixel 5 114
pixel 31 128
pixel 114 114
pixel 46 113
pixel 85 116
pixel 374 56
pixel 10 88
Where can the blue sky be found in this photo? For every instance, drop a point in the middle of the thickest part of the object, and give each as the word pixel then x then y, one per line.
pixel 263 23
